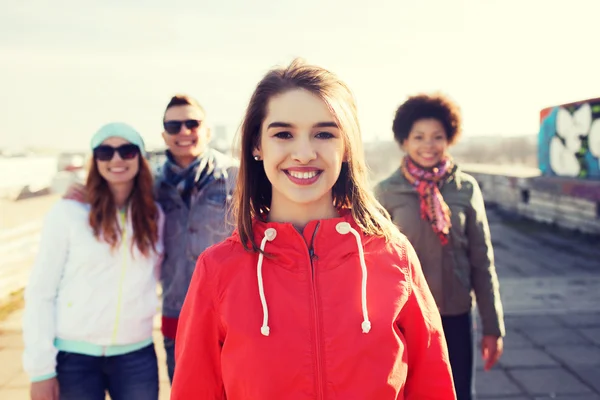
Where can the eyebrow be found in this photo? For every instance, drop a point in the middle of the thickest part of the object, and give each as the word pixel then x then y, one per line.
pixel 288 125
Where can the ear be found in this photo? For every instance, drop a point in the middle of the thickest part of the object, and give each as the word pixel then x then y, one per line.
pixel 208 133
pixel 164 136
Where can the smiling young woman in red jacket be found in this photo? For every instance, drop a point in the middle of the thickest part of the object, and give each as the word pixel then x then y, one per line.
pixel 316 295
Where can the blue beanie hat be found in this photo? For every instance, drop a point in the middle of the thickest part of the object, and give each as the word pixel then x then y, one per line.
pixel 118 129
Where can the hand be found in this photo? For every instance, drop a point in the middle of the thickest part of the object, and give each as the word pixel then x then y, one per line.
pixel 76 192
pixel 491 350
pixel 45 390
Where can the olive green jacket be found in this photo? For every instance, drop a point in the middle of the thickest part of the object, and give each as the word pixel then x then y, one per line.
pixel 465 266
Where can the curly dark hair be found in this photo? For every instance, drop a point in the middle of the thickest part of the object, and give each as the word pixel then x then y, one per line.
pixel 428 106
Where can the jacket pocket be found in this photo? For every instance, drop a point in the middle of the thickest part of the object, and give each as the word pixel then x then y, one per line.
pixel 74 307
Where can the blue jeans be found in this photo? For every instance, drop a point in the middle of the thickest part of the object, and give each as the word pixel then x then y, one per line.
pixel 170 350
pixel 459 334
pixel 131 376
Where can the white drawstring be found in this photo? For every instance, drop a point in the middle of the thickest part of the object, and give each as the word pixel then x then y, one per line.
pixel 344 228
pixel 269 235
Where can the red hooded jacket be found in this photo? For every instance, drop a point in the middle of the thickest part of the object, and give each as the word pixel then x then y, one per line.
pixel 327 314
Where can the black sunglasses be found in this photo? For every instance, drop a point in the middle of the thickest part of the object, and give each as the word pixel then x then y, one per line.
pixel 105 152
pixel 173 127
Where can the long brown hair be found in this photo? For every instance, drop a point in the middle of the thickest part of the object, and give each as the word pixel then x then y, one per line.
pixel 352 191
pixel 144 213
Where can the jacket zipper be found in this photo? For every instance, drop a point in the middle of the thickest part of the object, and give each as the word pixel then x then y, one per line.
pixel 123 270
pixel 312 257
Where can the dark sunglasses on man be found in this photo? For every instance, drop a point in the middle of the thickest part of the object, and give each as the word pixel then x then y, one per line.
pixel 126 151
pixel 173 127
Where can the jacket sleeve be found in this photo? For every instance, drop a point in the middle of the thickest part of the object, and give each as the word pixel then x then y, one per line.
pixel 198 342
pixel 39 327
pixel 429 373
pixel 483 272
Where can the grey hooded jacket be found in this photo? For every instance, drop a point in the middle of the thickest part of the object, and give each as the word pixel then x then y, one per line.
pixel 464 267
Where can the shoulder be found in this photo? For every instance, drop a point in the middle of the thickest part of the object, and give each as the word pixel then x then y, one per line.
pixel 466 178
pixel 65 213
pixel 394 252
pixel 466 183
pixel 226 166
pixel 65 207
pixel 394 179
pixel 224 161
pixel 220 260
pixel 391 191
pixel 224 254
pixel 395 182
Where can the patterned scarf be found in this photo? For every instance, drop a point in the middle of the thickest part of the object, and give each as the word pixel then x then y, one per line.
pixel 191 178
pixel 426 182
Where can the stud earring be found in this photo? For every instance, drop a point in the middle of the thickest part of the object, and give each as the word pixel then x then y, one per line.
pixel 256 158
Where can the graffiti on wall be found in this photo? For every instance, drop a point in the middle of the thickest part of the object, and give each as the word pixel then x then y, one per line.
pixel 569 140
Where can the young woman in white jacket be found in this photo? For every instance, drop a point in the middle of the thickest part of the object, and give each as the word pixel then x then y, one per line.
pixel 91 298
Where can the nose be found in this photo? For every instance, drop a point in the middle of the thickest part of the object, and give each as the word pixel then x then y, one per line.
pixel 429 142
pixel 116 157
pixel 304 151
pixel 184 130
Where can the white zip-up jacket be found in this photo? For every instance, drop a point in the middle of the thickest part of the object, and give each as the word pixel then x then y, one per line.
pixel 82 291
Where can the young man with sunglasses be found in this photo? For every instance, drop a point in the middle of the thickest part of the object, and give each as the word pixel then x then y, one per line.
pixel 194 188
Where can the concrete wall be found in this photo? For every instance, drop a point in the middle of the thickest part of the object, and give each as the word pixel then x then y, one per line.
pixel 566 202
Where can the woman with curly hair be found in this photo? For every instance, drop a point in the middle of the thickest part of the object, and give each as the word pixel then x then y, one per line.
pixel 440 209
pixel 92 295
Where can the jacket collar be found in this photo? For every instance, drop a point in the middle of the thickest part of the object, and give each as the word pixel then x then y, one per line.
pixel 328 241
pixel 321 239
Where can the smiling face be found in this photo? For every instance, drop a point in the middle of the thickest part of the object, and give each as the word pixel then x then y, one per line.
pixel 187 143
pixel 302 150
pixel 427 142
pixel 118 171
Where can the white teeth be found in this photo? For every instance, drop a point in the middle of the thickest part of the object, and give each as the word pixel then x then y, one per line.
pixel 121 169
pixel 303 175
pixel 186 143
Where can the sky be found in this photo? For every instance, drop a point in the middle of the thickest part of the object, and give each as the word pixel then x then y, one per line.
pixel 69 66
